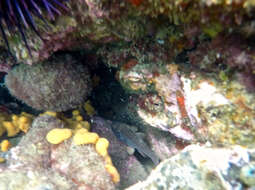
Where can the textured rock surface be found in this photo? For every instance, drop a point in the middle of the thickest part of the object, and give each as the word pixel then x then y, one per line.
pixel 188 69
pixel 163 144
pixel 201 168
pixel 37 164
pixel 58 84
pixel 191 105
pixel 177 24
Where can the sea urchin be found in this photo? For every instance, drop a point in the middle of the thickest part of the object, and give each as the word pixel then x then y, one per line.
pixel 18 15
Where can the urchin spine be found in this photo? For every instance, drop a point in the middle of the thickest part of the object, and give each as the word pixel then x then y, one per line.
pixel 18 14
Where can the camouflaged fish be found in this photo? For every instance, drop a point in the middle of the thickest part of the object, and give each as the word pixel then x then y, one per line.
pixel 130 138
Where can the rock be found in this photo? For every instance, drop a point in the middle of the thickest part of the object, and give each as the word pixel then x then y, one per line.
pixel 200 167
pixel 130 169
pixel 163 144
pixel 58 84
pixel 36 164
pixel 193 106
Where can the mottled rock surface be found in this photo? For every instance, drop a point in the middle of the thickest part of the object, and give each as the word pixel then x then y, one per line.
pixel 37 164
pixel 199 168
pixel 59 84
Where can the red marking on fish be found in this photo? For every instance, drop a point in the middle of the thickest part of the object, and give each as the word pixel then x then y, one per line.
pixel 181 103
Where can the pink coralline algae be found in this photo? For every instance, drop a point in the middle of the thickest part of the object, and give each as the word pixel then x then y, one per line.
pixel 140 51
pixel 232 50
pixel 88 23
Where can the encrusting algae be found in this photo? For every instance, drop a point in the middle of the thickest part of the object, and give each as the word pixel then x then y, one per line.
pixel 81 136
pixel 89 108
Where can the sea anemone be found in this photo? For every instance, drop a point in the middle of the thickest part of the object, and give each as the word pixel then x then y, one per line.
pixel 18 14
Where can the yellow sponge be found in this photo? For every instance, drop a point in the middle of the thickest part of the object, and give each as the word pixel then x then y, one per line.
pixel 11 129
pixel 13 124
pixel 80 129
pixel 5 145
pixel 108 159
pixel 79 118
pixel 2 160
pixel 50 113
pixel 82 136
pixel 75 112
pixel 24 123
pixel 56 136
pixel 113 172
pixel 101 146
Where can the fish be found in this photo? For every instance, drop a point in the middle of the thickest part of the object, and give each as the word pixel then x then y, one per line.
pixel 127 136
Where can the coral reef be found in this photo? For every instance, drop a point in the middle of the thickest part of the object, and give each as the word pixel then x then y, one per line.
pixel 199 167
pixel 182 92
pixel 58 84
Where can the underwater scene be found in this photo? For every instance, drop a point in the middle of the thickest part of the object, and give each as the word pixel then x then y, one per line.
pixel 127 95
